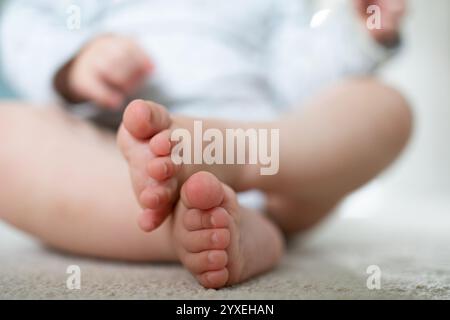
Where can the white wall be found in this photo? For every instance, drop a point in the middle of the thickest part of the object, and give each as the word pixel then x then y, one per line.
pixel 418 185
pixel 422 72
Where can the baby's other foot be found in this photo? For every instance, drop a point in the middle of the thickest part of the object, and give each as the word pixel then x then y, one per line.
pixel 144 140
pixel 218 241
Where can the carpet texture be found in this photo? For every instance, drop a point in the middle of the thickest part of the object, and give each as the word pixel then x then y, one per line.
pixel 329 263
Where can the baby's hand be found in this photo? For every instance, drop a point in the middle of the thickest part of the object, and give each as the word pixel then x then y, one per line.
pixel 105 71
pixel 392 12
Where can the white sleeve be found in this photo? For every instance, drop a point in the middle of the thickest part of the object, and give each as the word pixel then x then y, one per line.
pixel 305 59
pixel 36 41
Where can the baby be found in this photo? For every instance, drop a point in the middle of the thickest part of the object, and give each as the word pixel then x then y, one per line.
pixel 251 65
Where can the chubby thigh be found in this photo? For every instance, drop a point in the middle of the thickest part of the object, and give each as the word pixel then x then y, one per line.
pixel 69 186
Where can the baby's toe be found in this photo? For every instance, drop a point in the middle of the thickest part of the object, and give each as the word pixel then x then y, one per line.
pixel 204 261
pixel 150 219
pixel 161 168
pixel 144 119
pixel 208 239
pixel 195 219
pixel 203 191
pixel 160 144
pixel 159 195
pixel 213 279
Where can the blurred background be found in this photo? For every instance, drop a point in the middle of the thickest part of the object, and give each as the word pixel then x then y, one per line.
pixel 399 222
pixel 420 181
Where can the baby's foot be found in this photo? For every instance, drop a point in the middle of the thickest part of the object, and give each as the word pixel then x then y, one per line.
pixel 218 241
pixel 144 139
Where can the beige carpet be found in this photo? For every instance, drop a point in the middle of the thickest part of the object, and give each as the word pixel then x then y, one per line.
pixel 330 263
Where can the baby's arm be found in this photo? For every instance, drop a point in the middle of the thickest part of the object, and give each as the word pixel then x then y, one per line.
pixel 45 59
pixel 105 71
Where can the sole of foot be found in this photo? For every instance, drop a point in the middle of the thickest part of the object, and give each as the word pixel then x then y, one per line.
pixel 218 241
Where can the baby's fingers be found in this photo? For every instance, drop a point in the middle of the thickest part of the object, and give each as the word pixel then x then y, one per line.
pixel 99 92
pixel 125 75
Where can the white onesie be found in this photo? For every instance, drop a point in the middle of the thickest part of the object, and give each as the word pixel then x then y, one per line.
pixel 244 59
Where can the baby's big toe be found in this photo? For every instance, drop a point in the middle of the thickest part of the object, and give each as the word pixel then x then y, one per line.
pixel 202 191
pixel 144 119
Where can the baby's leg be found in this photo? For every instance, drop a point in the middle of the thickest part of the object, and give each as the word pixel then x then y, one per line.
pixel 65 182
pixel 344 137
